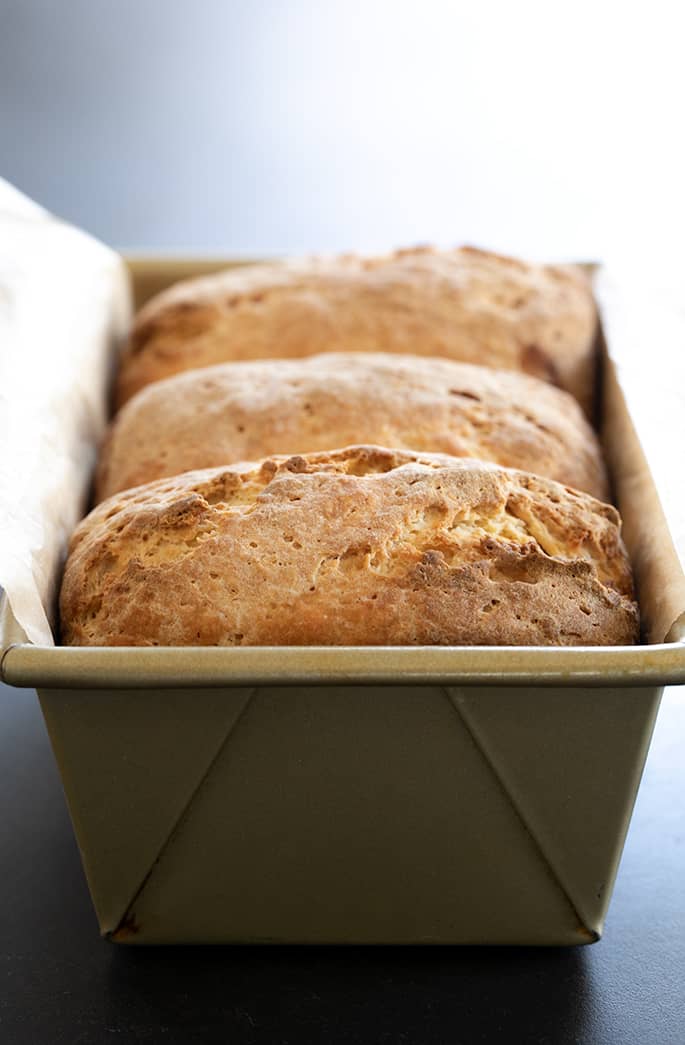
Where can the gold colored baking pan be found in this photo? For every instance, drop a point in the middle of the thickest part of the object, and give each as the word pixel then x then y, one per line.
pixel 355 795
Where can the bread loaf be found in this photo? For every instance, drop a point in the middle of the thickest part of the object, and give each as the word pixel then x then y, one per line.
pixel 464 304
pixel 357 546
pixel 245 411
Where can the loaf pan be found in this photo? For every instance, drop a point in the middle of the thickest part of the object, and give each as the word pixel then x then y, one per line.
pixel 353 795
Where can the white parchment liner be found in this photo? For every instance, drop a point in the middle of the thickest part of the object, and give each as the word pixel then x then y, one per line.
pixel 64 306
pixel 643 319
pixel 64 303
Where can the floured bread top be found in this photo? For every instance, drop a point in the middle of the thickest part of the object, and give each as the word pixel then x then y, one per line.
pixel 360 546
pixel 245 411
pixel 465 304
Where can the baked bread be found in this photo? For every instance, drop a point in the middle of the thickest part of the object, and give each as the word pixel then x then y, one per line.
pixel 465 304
pixel 245 411
pixel 359 546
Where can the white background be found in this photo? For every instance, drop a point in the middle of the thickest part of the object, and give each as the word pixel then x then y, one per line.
pixel 552 129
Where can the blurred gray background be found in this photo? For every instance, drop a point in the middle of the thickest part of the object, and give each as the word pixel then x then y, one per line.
pixel 546 128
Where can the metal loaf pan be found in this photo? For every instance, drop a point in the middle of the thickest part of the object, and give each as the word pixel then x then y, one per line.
pixel 351 795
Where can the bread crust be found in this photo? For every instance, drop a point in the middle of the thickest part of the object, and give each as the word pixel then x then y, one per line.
pixel 246 411
pixel 359 546
pixel 465 304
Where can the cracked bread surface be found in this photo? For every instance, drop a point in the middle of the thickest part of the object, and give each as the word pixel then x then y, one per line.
pixel 359 546
pixel 245 411
pixel 465 304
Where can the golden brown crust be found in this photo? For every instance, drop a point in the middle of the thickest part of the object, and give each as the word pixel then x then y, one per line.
pixel 245 411
pixel 360 546
pixel 464 304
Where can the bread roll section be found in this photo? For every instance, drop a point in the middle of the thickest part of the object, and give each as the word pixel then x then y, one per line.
pixel 246 411
pixel 359 546
pixel 464 304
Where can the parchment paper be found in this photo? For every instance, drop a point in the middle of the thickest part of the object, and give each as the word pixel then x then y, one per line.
pixel 64 303
pixel 643 318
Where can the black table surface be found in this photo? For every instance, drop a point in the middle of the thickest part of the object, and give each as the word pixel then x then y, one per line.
pixel 62 984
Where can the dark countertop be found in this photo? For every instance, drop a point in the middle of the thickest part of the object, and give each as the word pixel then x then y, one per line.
pixel 62 984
